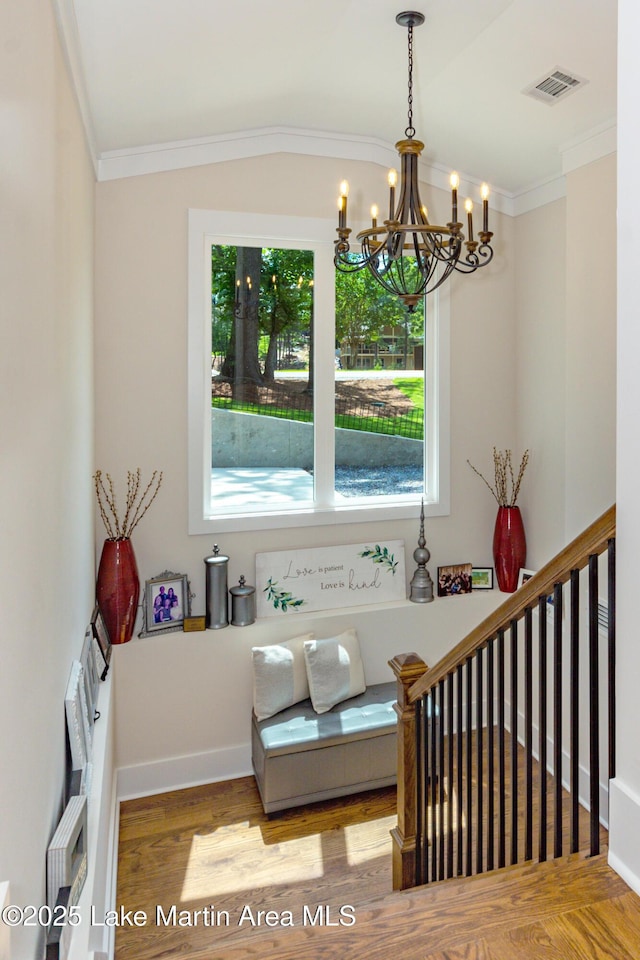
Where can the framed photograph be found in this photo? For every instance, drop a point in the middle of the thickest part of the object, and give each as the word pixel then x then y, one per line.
pixel 90 674
pixel 524 575
pixel 103 643
pixel 454 579
pixel 482 578
pixel 67 853
pixel 77 714
pixel 167 602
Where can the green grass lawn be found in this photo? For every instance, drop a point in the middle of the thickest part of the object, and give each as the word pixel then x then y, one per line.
pixel 404 425
pixel 414 389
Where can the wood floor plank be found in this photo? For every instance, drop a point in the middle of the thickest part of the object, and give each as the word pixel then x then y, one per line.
pixel 607 931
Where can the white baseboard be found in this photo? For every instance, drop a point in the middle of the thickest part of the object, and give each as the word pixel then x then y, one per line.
pixel 624 834
pixel 177 773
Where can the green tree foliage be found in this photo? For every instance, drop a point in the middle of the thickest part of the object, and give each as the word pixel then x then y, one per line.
pixel 257 296
pixel 364 309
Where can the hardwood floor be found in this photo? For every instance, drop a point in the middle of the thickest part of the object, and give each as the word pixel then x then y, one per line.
pixel 211 849
pixel 213 845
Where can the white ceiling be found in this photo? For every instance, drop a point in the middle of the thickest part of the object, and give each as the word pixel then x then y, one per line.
pixel 152 72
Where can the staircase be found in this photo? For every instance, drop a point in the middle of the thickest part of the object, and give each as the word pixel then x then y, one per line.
pixel 505 743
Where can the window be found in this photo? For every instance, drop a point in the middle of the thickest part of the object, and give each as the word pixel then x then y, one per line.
pixel 305 408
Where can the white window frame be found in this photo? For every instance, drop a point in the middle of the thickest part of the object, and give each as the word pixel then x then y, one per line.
pixel 206 227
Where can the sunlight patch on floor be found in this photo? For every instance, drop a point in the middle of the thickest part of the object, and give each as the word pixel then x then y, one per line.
pixel 361 845
pixel 220 862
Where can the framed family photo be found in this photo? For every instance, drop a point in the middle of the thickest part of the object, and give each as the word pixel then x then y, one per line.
pixel 167 602
pixel 103 642
pixel 454 579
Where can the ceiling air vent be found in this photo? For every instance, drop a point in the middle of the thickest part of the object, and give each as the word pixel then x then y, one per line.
pixel 554 86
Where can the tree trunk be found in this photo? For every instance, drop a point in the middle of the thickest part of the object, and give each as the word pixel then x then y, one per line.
pixel 246 365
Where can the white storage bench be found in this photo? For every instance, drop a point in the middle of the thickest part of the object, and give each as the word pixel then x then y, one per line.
pixel 300 756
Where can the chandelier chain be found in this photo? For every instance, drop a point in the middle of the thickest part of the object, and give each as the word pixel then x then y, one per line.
pixel 410 131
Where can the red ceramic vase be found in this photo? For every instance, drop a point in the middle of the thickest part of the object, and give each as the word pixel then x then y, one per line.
pixel 118 589
pixel 509 547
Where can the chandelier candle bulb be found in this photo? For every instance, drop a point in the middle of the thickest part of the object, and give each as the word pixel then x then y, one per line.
pixel 392 179
pixel 484 193
pixel 468 205
pixel 454 180
pixel 374 216
pixel 342 204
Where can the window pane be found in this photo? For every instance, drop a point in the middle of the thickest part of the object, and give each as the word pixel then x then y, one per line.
pixel 379 442
pixel 261 376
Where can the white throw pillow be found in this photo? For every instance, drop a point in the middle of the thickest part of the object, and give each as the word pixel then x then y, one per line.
pixel 334 670
pixel 279 676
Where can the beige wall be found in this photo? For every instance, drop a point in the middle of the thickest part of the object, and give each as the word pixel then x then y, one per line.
pixel 46 402
pixel 566 346
pixel 540 364
pixel 590 435
pixel 141 301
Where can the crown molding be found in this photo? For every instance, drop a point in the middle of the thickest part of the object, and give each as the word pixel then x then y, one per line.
pixel 180 154
pixel 599 142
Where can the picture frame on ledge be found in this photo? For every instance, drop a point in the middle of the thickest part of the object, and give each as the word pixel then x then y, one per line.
pixel 482 578
pixel 166 603
pixel 454 579
pixel 102 640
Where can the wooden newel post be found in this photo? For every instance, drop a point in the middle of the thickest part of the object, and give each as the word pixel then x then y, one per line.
pixel 407 667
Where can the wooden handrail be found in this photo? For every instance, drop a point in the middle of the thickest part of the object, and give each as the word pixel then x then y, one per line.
pixel 558 570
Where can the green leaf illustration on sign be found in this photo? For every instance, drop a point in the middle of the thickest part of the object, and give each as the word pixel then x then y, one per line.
pixel 281 599
pixel 381 555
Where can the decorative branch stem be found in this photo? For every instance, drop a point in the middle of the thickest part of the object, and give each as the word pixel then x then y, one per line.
pixel 503 473
pixel 135 506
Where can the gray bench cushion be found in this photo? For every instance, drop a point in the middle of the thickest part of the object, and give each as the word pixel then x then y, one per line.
pixel 300 728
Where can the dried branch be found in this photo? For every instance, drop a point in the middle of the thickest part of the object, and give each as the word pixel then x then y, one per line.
pixel 504 476
pixel 135 505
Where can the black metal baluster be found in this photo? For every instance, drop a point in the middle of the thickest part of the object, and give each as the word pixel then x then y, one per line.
pixel 594 709
pixel 542 725
pixel 528 728
pixel 421 781
pixel 459 783
pixel 490 758
pixel 441 781
pixel 479 761
pixel 502 800
pixel 514 741
pixel 433 724
pixel 557 718
pixel 611 650
pixel 450 775
pixel 574 681
pixel 469 692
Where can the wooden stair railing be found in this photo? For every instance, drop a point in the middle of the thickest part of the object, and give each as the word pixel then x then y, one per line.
pixel 468 755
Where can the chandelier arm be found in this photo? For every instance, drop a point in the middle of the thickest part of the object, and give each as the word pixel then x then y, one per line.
pixel 472 261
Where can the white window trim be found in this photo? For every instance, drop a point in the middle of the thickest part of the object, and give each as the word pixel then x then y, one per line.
pixel 207 226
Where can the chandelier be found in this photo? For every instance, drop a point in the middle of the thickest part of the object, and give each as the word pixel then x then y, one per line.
pixel 409 256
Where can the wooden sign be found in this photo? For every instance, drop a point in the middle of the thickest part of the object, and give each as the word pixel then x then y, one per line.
pixel 322 578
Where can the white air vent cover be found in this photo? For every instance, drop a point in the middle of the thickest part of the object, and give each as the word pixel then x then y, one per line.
pixel 554 86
